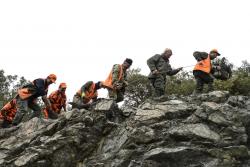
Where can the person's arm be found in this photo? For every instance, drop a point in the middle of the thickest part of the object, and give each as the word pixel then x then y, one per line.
pixel 171 71
pixel 152 61
pixel 199 56
pixel 46 102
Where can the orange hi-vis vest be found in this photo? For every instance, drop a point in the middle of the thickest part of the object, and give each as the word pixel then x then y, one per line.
pixel 89 94
pixel 10 110
pixel 204 65
pixel 108 81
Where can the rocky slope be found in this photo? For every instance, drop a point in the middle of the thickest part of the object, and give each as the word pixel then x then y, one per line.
pixel 209 130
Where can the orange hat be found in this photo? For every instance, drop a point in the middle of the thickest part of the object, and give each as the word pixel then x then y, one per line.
pixel 52 77
pixel 215 51
pixel 63 85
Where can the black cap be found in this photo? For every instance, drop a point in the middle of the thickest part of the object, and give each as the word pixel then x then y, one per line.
pixel 129 61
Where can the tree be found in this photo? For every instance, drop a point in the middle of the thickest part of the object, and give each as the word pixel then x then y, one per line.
pixel 138 89
pixel 9 85
pixel 181 84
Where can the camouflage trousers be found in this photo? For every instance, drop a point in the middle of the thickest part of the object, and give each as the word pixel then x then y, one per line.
pixel 159 84
pixel 22 109
pixel 117 95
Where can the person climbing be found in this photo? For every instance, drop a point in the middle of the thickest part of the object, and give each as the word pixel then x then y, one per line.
pixel 7 113
pixel 159 68
pixel 116 82
pixel 58 101
pixel 27 97
pixel 203 68
pixel 85 96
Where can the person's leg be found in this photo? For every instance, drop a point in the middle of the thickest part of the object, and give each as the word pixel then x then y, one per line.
pixel 35 108
pixel 199 82
pixel 120 95
pixel 159 85
pixel 22 108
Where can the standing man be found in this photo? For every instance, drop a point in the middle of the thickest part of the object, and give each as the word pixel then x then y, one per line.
pixel 86 95
pixel 203 68
pixel 58 101
pixel 27 97
pixel 117 80
pixel 160 67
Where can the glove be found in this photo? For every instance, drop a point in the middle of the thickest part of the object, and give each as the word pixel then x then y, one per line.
pixel 218 67
pixel 125 83
pixel 118 86
pixel 155 72
pixel 179 69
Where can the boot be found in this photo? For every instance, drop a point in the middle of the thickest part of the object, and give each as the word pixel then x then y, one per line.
pixel 210 87
pixel 52 114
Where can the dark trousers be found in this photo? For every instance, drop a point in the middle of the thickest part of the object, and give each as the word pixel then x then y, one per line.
pixel 159 84
pixel 201 79
pixel 22 109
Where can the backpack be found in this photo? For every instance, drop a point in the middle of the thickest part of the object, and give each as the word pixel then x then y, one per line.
pixel 225 72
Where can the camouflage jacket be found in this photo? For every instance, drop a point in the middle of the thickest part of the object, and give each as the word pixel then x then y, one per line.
pixel 157 62
pixel 115 74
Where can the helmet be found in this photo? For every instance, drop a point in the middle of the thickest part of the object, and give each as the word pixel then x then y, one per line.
pixel 52 77
pixel 215 51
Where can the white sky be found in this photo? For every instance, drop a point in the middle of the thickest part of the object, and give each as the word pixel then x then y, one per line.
pixel 80 40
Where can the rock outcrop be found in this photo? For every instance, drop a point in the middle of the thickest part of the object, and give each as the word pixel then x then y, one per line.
pixel 208 130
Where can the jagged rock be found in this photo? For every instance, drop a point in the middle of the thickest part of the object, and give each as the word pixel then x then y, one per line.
pixel 193 131
pixel 142 135
pixel 178 156
pixel 208 130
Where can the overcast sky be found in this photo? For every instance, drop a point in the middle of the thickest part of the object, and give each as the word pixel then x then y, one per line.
pixel 80 40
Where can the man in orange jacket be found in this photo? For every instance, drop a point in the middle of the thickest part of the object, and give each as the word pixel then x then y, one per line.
pixel 58 101
pixel 117 80
pixel 27 97
pixel 86 95
pixel 8 112
pixel 203 68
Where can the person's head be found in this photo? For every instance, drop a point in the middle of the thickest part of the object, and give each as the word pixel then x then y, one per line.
pixel 51 78
pixel 167 53
pixel 62 87
pixel 127 63
pixel 214 53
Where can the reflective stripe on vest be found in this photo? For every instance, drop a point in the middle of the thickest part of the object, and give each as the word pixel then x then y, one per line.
pixel 204 65
pixel 108 81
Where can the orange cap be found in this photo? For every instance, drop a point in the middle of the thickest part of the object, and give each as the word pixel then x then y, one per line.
pixel 63 85
pixel 215 51
pixel 52 77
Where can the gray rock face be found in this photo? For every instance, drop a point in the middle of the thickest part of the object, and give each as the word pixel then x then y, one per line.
pixel 208 130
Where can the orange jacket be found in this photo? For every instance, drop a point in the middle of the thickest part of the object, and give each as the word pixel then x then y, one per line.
pixel 204 65
pixel 109 81
pixel 57 100
pixel 91 93
pixel 9 110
